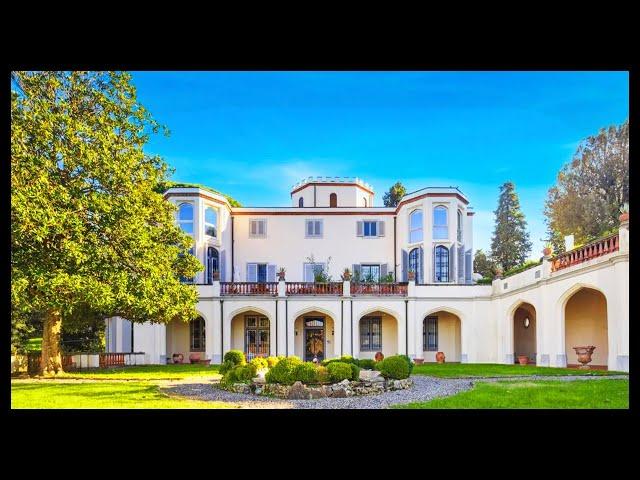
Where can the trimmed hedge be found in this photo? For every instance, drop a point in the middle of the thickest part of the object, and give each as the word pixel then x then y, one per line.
pixel 323 374
pixel 306 373
pixel 339 371
pixel 342 359
pixel 409 362
pixel 236 357
pixel 521 268
pixel 484 281
pixel 394 367
pixel 367 364
pixel 355 372
pixel 240 373
pixel 273 361
pixel 225 367
pixel 283 371
pixel 260 363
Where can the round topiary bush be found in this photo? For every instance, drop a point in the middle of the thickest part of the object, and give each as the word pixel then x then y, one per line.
pixel 367 364
pixel 355 372
pixel 283 371
pixel 394 367
pixel 409 362
pixel 306 373
pixel 260 363
pixel 339 371
pixel 225 367
pixel 240 373
pixel 342 359
pixel 323 374
pixel 235 356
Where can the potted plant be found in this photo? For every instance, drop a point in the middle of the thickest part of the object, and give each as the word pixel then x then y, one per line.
pixel 411 275
pixel 584 355
pixel 281 273
pixel 624 212
pixel 440 357
pixel 523 359
pixel 346 275
pixel 379 356
pixel 178 358
pixel 547 250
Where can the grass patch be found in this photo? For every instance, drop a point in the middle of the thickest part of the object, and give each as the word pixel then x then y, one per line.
pixel 536 394
pixel 34 345
pixel 461 370
pixel 48 394
pixel 147 372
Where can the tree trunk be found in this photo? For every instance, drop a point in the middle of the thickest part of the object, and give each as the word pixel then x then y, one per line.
pixel 51 361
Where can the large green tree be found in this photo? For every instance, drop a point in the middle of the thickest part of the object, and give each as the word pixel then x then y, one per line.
pixel 510 244
pixel 591 188
pixel 90 235
pixel 394 195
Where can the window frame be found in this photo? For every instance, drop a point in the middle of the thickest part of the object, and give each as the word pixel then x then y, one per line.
pixel 364 228
pixel 201 337
pixel 208 224
pixel 366 333
pixel 323 265
pixel 258 235
pixel 315 234
pixel 370 266
pixel 438 227
pixel 433 321
pixel 301 202
pixel 417 261
pixel 182 222
pixel 437 248
pixel 258 328
pixel 421 229
pixel 459 230
pixel 333 196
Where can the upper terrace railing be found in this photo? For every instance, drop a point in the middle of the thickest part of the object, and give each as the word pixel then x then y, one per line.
pixel 586 252
pixel 379 288
pixel 314 288
pixel 249 288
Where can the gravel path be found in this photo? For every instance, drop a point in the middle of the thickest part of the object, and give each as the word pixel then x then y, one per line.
pixel 424 388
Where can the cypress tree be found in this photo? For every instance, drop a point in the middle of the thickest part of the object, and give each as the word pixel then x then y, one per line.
pixel 510 244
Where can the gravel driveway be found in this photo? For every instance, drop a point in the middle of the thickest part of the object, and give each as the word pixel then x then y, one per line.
pixel 424 388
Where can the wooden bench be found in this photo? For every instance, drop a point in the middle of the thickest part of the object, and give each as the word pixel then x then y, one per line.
pixel 111 360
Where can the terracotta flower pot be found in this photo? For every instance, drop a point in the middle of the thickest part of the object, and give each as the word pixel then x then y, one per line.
pixel 624 217
pixel 178 358
pixel 379 356
pixel 411 276
pixel 281 276
pixel 216 275
pixel 440 357
pixel 584 355
pixel 523 359
pixel 546 252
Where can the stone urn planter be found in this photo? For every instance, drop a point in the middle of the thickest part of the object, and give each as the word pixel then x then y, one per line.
pixel 584 355
pixel 523 359
pixel 440 357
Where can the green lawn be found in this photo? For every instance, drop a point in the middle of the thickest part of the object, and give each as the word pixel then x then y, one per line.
pixel 148 372
pixel 48 394
pixel 536 394
pixel 461 370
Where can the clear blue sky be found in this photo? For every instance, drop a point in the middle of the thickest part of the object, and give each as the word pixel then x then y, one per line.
pixel 254 134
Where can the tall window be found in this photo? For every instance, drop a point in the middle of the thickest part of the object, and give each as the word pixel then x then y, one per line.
pixel 440 226
pixel 256 334
pixel 430 334
pixel 301 202
pixel 185 217
pixel 370 334
pixel 364 200
pixel 459 226
pixel 415 226
pixel 212 263
pixel 196 335
pixel 210 222
pixel 414 261
pixel 370 273
pixel 442 264
pixel 333 200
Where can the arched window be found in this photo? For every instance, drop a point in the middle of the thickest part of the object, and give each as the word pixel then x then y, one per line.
pixel 212 263
pixel 440 223
pixel 414 261
pixel 211 222
pixel 442 264
pixel 333 200
pixel 459 226
pixel 196 335
pixel 301 202
pixel 415 226
pixel 364 199
pixel 185 217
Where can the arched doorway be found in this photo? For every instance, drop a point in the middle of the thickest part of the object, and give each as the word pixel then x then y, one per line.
pixel 442 332
pixel 250 333
pixel 377 332
pixel 186 338
pixel 314 334
pixel 524 332
pixel 585 323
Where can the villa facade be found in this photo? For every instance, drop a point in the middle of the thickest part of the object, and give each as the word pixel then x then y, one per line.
pixel 578 298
